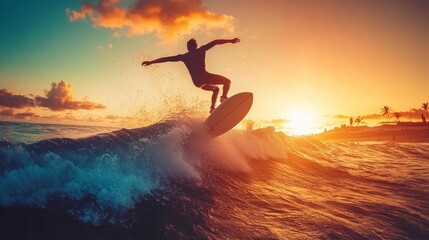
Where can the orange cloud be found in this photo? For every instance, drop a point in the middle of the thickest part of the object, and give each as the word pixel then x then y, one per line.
pixel 8 99
pixel 112 117
pixel 60 97
pixel 25 115
pixel 279 121
pixel 373 116
pixel 7 112
pixel 338 116
pixel 169 19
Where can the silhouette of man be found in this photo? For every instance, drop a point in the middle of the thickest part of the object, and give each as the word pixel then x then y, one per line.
pixel 195 61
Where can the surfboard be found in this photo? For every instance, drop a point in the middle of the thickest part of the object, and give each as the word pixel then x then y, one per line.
pixel 229 113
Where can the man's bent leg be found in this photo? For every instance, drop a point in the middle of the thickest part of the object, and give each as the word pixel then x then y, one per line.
pixel 215 91
pixel 218 79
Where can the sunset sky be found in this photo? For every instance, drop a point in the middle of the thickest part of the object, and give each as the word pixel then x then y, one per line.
pixel 307 62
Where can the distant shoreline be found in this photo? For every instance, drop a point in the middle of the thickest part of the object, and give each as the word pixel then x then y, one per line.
pixel 417 134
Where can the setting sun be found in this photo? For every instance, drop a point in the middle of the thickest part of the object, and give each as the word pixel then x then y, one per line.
pixel 302 122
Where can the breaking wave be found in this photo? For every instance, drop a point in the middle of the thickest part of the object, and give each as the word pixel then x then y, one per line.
pixel 171 180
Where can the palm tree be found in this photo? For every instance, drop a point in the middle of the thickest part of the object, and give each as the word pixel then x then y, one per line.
pixel 385 111
pixel 359 121
pixel 425 107
pixel 397 115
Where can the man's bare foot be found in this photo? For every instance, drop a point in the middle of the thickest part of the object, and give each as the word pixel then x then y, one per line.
pixel 223 99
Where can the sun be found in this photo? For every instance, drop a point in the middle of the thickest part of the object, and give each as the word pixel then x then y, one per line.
pixel 302 122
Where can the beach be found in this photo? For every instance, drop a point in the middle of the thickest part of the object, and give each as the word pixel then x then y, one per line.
pixel 377 134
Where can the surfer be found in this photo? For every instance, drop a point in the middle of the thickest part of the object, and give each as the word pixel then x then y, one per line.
pixel 195 61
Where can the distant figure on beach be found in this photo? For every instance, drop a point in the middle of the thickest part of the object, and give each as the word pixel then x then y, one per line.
pixel 195 61
pixel 423 119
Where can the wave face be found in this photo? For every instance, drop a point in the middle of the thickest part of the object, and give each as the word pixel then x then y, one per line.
pixel 172 181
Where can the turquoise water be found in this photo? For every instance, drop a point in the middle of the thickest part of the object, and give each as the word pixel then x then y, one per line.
pixel 34 132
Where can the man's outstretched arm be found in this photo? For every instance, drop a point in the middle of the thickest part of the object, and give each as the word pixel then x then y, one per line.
pixel 162 60
pixel 221 41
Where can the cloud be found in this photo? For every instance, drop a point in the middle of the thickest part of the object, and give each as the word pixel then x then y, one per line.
pixel 169 19
pixel 367 116
pixel 25 115
pixel 279 121
pixel 8 99
pixel 7 112
pixel 340 116
pixel 60 97
pixel 112 117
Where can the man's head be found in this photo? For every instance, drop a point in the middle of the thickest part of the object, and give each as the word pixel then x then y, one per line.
pixel 192 44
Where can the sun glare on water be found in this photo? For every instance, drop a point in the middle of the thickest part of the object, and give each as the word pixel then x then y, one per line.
pixel 302 122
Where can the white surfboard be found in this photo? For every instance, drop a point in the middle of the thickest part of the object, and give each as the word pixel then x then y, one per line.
pixel 229 113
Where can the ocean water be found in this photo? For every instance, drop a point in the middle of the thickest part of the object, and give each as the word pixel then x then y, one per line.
pixel 31 132
pixel 171 181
